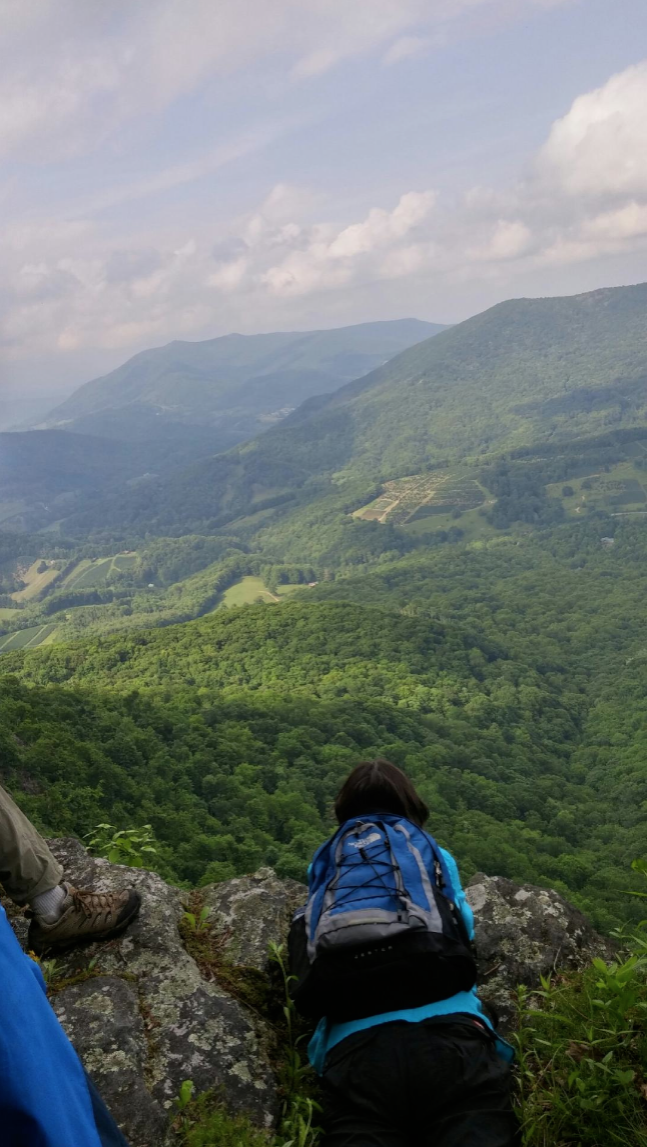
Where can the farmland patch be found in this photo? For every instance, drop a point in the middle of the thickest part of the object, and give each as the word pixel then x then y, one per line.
pixel 92 572
pixel 36 578
pixel 407 500
pixel 621 489
pixel 246 592
pixel 28 638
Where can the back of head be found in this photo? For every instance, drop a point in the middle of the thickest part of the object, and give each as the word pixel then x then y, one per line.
pixel 379 786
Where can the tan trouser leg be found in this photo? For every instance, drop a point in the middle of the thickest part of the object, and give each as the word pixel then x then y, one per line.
pixel 27 867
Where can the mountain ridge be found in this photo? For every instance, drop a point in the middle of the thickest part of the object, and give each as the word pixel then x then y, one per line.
pixel 244 376
pixel 523 372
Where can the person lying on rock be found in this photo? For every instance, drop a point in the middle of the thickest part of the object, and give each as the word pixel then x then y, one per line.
pixel 383 958
pixel 61 915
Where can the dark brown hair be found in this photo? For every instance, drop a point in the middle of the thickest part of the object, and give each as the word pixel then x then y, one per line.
pixel 379 786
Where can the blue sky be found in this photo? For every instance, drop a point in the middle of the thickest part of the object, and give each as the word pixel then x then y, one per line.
pixel 184 169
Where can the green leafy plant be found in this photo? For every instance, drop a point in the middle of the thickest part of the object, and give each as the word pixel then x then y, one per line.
pixel 131 846
pixel 184 1096
pixel 205 1122
pixel 50 969
pixel 582 1053
pixel 199 922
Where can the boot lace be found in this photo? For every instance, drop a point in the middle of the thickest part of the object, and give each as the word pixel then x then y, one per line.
pixel 92 903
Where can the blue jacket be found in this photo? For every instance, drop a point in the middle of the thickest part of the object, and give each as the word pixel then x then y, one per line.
pixel 327 1034
pixel 46 1099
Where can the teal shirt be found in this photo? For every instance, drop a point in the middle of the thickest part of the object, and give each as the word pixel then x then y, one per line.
pixel 328 1034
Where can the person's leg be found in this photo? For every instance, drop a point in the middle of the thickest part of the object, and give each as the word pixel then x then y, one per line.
pixel 472 1085
pixel 62 915
pixel 27 867
pixel 362 1093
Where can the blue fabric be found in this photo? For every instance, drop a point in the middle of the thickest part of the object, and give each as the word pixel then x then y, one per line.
pixel 327 1034
pixel 44 1096
pixel 346 858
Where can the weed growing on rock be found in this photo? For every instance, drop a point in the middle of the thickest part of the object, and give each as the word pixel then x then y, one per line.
pixel 207 945
pixel 197 923
pixel 204 1120
pixel 582 1056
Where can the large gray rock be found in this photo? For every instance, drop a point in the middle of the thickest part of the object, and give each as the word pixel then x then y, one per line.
pixel 145 1019
pixel 523 933
pixel 254 912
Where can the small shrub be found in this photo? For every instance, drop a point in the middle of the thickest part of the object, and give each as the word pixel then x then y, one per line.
pixel 582 1053
pixel 131 846
pixel 206 1123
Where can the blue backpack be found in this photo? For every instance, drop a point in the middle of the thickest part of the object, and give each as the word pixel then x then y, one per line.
pixel 381 930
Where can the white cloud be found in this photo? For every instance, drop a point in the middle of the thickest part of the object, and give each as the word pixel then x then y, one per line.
pixel 599 147
pixel 509 239
pixel 70 285
pixel 329 259
pixel 627 222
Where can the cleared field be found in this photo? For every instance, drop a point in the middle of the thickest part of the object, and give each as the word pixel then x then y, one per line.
pixel 472 525
pixel 621 489
pixel 286 590
pixel 246 592
pixel 254 519
pixel 7 614
pixel 406 500
pixel 28 638
pixel 36 582
pixel 125 562
pixel 93 572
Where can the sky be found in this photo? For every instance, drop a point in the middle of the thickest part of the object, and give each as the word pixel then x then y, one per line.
pixel 187 168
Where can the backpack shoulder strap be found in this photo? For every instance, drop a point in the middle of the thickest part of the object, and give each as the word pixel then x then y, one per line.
pixel 445 882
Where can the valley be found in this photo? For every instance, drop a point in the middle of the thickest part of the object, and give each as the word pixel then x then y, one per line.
pixel 469 603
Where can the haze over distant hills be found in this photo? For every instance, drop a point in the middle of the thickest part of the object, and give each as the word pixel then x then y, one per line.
pixel 236 385
pixel 172 405
pixel 525 371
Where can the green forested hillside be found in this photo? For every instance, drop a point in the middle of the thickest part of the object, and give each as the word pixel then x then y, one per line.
pixel 496 675
pixel 526 371
pixel 238 384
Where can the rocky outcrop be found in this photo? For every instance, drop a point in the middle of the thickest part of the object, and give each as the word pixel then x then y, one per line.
pixel 145 1016
pixel 523 933
pixel 144 1019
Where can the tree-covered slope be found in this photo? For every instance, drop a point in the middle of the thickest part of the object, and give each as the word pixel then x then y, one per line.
pixel 526 371
pixel 231 734
pixel 523 371
pixel 236 383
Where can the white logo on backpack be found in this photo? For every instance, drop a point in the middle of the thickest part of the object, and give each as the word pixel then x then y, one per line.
pixel 365 840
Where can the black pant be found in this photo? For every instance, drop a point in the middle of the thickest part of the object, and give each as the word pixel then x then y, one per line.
pixel 411 1085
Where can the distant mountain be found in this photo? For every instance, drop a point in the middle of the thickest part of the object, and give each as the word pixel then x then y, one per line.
pixel 525 371
pixel 231 387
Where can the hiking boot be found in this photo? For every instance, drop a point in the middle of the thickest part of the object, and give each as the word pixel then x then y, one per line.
pixel 85 917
